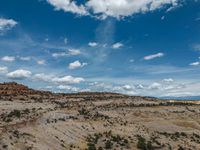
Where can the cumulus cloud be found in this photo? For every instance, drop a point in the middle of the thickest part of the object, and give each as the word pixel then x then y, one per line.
pixel 195 63
pixel 6 24
pixel 68 6
pixel 74 52
pixel 113 8
pixel 127 87
pixel 76 64
pixel 68 88
pixel 19 74
pixel 124 8
pixel 139 86
pixel 101 86
pixel 68 80
pixel 117 45
pixel 8 58
pixel 168 80
pixel 92 44
pixel 153 56
pixel 159 88
pixel 58 80
pixel 163 87
pixel 3 70
pixel 155 86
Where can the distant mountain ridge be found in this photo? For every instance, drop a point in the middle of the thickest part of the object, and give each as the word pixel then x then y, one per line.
pixel 182 98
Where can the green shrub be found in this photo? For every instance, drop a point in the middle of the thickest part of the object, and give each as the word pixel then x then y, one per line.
pixel 91 146
pixel 149 146
pixel 15 113
pixel 141 143
pixel 108 144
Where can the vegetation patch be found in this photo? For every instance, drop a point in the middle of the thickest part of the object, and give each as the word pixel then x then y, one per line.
pixel 106 140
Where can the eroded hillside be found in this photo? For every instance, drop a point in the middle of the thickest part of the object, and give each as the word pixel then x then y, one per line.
pixel 40 120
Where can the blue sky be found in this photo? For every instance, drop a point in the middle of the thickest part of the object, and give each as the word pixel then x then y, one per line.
pixel 137 47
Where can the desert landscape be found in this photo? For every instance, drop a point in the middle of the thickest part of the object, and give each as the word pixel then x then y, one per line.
pixel 39 120
pixel 99 74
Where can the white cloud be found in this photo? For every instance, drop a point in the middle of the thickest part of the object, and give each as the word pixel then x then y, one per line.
pixel 195 63
pixel 59 54
pixel 3 70
pixel 71 52
pixel 19 74
pixel 8 58
pixel 124 8
pixel 74 52
pixel 101 86
pixel 57 80
pixel 76 64
pixel 127 87
pixel 117 45
pixel 187 89
pixel 150 57
pixel 6 24
pixel 68 6
pixel 101 9
pixel 41 62
pixel 67 87
pixel 155 86
pixel 92 44
pixel 67 80
pixel 140 86
pixel 43 77
pixel 168 80
pixel 158 88
pixel 85 90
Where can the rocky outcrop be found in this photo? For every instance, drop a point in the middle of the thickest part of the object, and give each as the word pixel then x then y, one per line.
pixel 13 88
